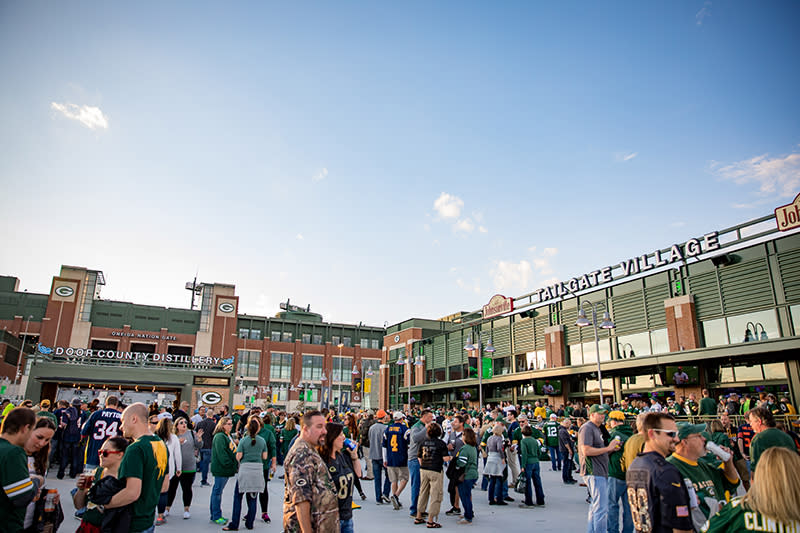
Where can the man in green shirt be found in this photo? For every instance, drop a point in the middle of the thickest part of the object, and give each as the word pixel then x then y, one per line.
pixel 709 488
pixel 767 435
pixel 530 449
pixel 708 407
pixel 550 429
pixel 143 468
pixel 617 487
pixel 19 487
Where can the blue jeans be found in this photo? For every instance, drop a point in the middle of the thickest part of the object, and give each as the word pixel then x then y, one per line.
pixel 413 474
pixel 379 473
pixel 346 526
pixel 566 469
pixel 598 510
pixel 532 476
pixel 216 497
pixel 495 489
pixel 485 478
pixel 618 490
pixel 252 507
pixel 205 462
pixel 465 493
pixel 555 458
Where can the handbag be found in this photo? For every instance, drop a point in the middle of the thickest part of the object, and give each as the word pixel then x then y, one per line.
pixel 455 472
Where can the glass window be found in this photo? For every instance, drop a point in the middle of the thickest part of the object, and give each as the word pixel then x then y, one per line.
pixel 255 334
pixel 458 372
pixel 375 344
pixel 275 336
pixel 589 353
pixel 347 341
pixel 205 307
pixel 336 340
pixel 279 392
pixel 659 341
pixel 795 312
pixel 575 354
pixel 341 370
pixel 774 371
pixel 636 345
pixel 244 333
pixel 365 343
pixel 714 332
pixel 592 385
pixel 726 374
pixel 248 363
pixel 317 339
pixel 748 373
pixel 280 365
pixel 306 338
pixel 287 336
pixel 764 326
pixel 502 366
pixel 312 367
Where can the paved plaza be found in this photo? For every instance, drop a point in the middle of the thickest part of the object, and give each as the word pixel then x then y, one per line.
pixel 565 510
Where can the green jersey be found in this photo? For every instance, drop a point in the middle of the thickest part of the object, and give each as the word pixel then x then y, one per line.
pixel 708 407
pixel 530 451
pixel 269 438
pixel 18 487
pixel 737 518
pixel 709 484
pixel 145 459
pixel 769 438
pixel 551 433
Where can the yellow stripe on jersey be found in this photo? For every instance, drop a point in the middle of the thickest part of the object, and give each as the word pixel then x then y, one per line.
pixel 18 488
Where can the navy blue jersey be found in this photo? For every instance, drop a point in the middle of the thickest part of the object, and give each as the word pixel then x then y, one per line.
pixel 101 425
pixel 395 442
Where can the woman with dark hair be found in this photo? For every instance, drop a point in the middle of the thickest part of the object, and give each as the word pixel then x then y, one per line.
pixel 37 447
pixel 190 447
pixel 270 463
pixel 351 432
pixel 433 453
pixel 467 458
pixel 110 456
pixel 344 468
pixel 175 462
pixel 223 466
pixel 251 453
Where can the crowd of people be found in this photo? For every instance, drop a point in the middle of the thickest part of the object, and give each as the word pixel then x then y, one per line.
pixel 684 465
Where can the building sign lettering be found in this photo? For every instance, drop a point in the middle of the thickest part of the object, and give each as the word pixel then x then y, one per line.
pixel 139 357
pixel 629 267
pixel 135 335
pixel 498 305
pixel 788 216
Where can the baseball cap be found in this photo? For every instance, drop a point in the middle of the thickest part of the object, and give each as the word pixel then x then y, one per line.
pixel 44 404
pixel 381 413
pixel 398 415
pixel 553 416
pixel 76 401
pixel 523 416
pixel 597 408
pixel 617 415
pixel 686 429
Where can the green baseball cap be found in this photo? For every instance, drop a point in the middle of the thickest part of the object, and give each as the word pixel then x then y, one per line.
pixel 597 408
pixel 686 429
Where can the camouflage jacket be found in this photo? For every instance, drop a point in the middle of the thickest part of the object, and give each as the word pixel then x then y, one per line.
pixel 306 479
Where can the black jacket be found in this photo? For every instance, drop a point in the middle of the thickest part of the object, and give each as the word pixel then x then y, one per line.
pixel 116 520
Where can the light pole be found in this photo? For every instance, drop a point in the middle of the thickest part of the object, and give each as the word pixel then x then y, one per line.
pixel 17 376
pixel 339 391
pixel 489 349
pixel 605 324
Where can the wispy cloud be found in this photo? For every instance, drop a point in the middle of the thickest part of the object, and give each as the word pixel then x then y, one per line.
pixel 466 225
pixel 509 275
pixel 319 176
pixel 483 229
pixel 549 252
pixel 621 157
pixel 774 175
pixel 701 15
pixel 299 237
pixel 475 286
pixel 91 117
pixel 448 206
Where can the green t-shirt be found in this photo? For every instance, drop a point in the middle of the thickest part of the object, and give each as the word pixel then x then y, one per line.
pixel 709 483
pixel 251 453
pixel 708 406
pixel 269 438
pixel 530 449
pixel 737 518
pixel 17 485
pixel 768 438
pixel 145 459
pixel 467 457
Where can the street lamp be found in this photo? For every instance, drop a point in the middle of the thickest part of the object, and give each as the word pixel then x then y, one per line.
pixel 605 324
pixel 489 349
pixel 401 362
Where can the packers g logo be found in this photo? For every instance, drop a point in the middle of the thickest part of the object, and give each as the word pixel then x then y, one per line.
pixel 211 398
pixel 226 307
pixel 64 291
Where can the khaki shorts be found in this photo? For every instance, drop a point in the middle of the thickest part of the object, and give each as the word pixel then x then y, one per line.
pixel 397 474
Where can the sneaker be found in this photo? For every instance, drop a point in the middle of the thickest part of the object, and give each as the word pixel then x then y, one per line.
pixel 395 502
pixel 354 505
pixel 221 521
pixel 526 506
pixel 454 511
pixel 205 484
pixel 464 521
pixel 166 513
pixel 508 499
pixel 265 518
pixel 385 499
pixel 186 515
pixel 363 496
pixel 160 521
pixel 501 502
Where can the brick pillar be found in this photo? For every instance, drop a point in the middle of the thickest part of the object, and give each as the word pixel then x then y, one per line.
pixel 554 348
pixel 682 328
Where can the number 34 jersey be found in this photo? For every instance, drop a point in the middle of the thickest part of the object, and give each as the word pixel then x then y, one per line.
pixel 395 444
pixel 102 425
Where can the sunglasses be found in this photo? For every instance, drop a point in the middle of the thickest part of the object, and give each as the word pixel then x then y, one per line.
pixel 106 453
pixel 154 421
pixel 669 433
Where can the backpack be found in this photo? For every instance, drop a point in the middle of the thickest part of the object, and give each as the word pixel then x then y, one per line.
pixel 72 431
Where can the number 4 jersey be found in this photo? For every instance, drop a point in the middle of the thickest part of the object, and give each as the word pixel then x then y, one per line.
pixel 395 444
pixel 101 425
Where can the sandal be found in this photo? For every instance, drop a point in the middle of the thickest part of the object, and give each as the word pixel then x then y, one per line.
pixel 434 525
pixel 418 521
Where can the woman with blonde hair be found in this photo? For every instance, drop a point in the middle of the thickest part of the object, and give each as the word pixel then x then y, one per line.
pixel 223 466
pixel 771 502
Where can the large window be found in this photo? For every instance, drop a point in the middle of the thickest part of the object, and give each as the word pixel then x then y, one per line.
pixel 347 341
pixel 279 392
pixel 306 338
pixel 280 365
pixel 287 336
pixel 365 343
pixel 317 338
pixel 312 367
pixel 341 370
pixel 795 312
pixel 375 344
pixel 275 336
pixel 248 363
pixel 244 333
pixel 752 327
pixel 336 340
pixel 255 334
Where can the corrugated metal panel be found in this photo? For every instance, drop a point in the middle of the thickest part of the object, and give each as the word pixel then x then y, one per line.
pixel 523 335
pixel 654 302
pixel 746 286
pixel 705 289
pixel 455 349
pixel 572 333
pixel 790 274
pixel 540 323
pixel 628 311
pixel 438 359
pixel 501 338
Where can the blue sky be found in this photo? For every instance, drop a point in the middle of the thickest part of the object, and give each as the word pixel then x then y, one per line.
pixel 384 160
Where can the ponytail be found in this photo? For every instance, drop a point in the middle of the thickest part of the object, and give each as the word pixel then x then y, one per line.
pixel 253 427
